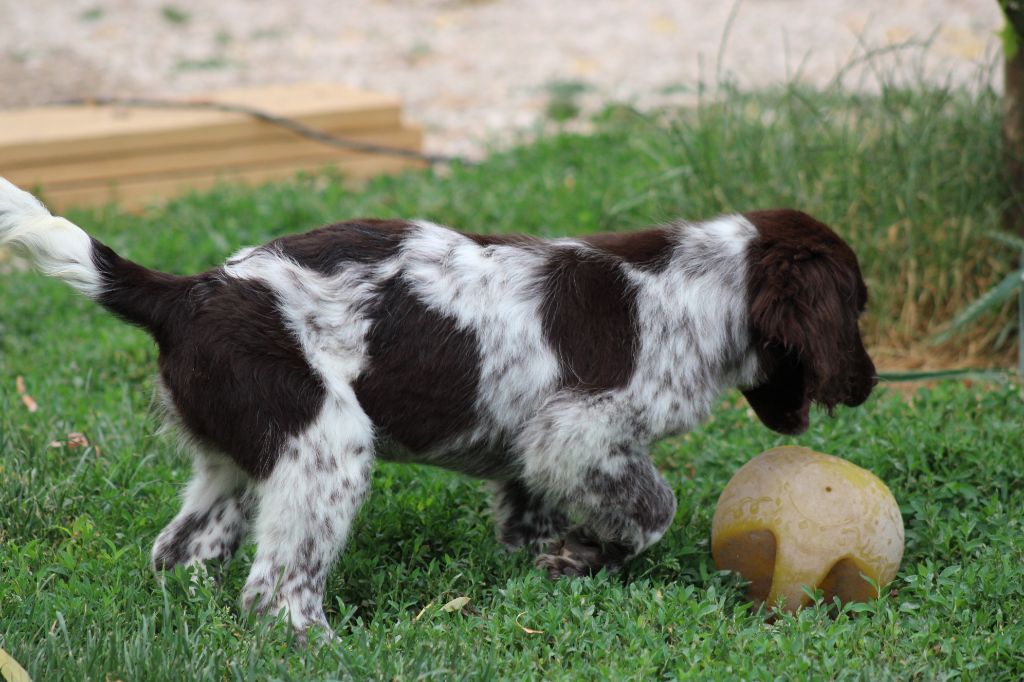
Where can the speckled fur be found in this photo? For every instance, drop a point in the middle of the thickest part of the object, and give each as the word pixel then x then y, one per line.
pixel 546 366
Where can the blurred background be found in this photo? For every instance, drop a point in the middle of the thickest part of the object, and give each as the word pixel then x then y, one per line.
pixel 471 71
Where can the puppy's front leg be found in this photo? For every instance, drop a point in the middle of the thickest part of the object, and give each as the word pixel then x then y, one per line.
pixel 624 509
pixel 523 518
pixel 581 456
pixel 306 507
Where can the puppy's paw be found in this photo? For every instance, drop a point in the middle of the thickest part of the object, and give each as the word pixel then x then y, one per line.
pixel 561 566
pixel 316 636
pixel 306 616
pixel 574 555
pixel 580 553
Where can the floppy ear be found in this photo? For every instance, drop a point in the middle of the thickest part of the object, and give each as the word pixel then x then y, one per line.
pixel 799 325
pixel 778 314
pixel 781 402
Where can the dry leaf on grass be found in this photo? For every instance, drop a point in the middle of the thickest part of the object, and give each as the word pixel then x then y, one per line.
pixel 10 670
pixel 26 399
pixel 75 440
pixel 456 604
pixel 29 403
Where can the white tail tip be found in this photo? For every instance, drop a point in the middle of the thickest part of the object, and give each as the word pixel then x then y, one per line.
pixel 58 248
pixel 16 207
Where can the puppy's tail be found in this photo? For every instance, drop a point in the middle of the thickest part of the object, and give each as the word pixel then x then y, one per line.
pixel 61 249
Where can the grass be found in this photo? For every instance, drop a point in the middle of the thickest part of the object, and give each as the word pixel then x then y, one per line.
pixel 563 96
pixel 910 178
pixel 175 15
pixel 913 180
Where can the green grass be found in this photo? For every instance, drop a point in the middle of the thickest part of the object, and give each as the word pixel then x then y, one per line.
pixel 175 15
pixel 911 179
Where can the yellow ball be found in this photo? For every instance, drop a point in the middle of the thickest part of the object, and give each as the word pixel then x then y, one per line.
pixel 792 517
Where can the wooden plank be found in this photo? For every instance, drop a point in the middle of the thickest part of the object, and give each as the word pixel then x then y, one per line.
pixel 137 195
pixel 203 158
pixel 42 133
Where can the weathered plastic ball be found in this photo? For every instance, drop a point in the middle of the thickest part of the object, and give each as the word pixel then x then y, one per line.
pixel 792 517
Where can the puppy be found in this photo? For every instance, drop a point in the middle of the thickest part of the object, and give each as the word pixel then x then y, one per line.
pixel 545 366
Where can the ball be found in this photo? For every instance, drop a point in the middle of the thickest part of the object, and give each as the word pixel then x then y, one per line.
pixel 792 518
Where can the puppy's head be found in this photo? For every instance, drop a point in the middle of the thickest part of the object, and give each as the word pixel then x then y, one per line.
pixel 806 294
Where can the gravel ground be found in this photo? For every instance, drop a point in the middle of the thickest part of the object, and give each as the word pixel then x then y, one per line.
pixel 474 71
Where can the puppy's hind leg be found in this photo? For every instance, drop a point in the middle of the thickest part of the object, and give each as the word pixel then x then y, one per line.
pixel 306 506
pixel 212 521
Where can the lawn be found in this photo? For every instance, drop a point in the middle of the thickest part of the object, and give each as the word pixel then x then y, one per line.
pixel 911 179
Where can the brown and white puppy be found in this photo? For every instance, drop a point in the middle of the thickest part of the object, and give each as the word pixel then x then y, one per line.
pixel 545 366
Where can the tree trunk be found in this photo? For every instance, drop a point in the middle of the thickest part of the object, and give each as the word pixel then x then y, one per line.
pixel 1013 117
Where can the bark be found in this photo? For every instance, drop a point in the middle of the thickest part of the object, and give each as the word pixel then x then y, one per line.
pixel 1013 120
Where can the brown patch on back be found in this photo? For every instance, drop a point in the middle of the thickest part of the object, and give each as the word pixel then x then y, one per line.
pixel 501 239
pixel 421 382
pixel 646 249
pixel 589 317
pixel 238 377
pixel 355 241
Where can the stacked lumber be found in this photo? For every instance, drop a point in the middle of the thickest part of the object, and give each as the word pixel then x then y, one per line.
pixel 93 155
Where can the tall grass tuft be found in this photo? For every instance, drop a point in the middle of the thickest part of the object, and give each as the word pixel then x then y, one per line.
pixel 913 179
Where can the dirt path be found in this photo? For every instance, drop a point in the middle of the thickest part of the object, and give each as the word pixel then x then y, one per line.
pixel 471 70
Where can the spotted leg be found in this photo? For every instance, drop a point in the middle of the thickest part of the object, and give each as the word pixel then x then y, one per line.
pixel 523 518
pixel 306 506
pixel 212 521
pixel 622 513
pixel 582 457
